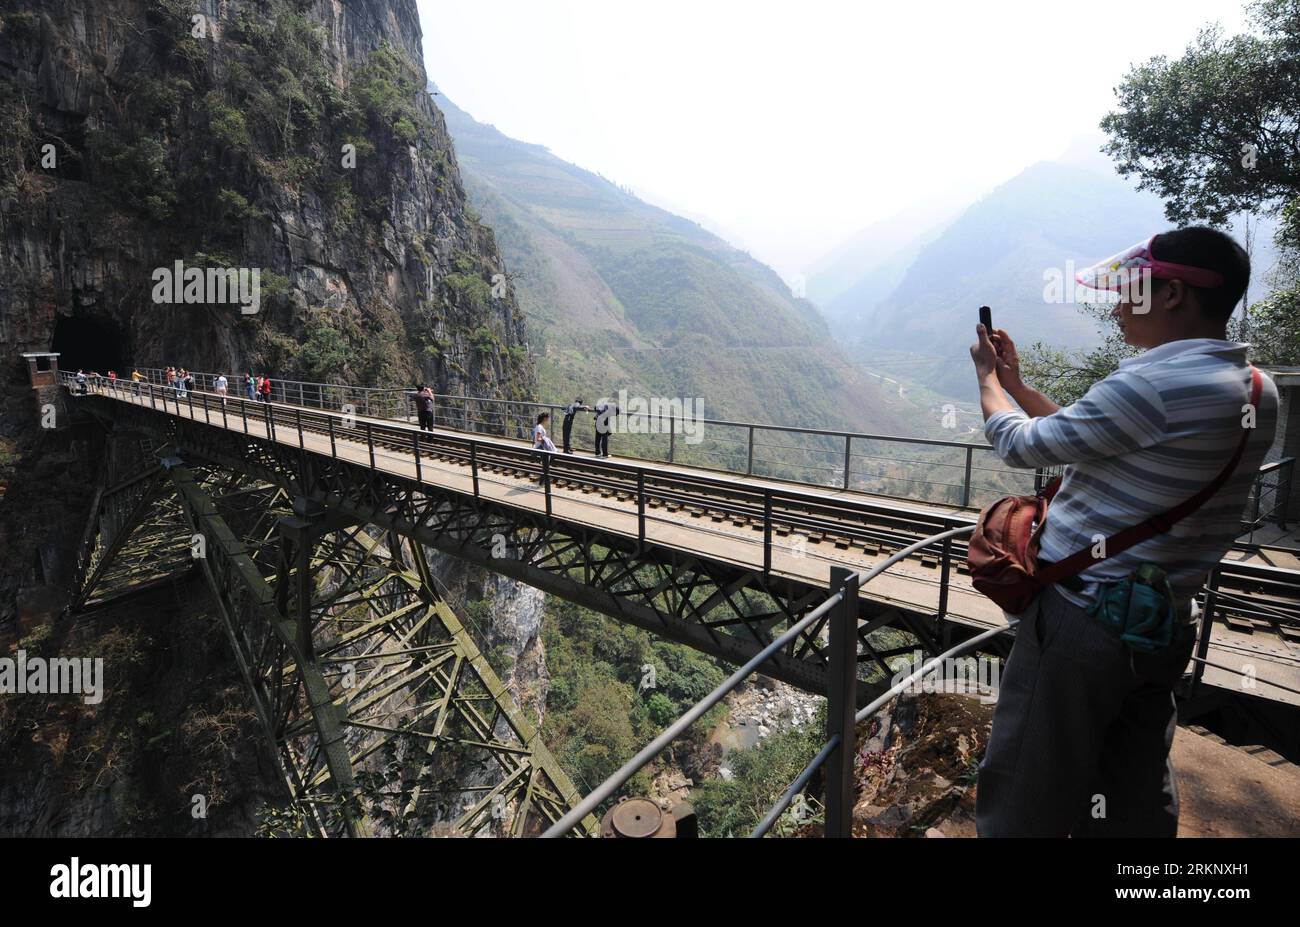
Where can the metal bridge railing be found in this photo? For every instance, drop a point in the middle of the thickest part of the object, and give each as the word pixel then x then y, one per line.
pixel 838 751
pixel 1273 485
pixel 969 473
pixel 810 456
pixel 828 748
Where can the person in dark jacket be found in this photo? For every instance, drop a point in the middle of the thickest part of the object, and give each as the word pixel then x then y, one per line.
pixel 423 399
pixel 606 412
pixel 570 411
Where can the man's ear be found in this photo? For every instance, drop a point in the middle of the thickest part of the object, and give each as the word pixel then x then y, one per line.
pixel 1174 295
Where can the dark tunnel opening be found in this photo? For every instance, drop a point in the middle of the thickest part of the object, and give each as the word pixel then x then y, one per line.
pixel 90 343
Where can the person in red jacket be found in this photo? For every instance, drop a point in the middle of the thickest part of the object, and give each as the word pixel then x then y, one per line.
pixel 264 389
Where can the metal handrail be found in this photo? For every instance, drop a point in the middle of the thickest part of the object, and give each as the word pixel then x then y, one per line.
pixel 155 375
pixel 396 399
pixel 802 779
pixel 1281 490
pixel 660 743
pixel 1257 679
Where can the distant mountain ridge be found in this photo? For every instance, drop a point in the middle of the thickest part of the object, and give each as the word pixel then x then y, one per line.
pixel 622 294
pixel 912 310
pixel 868 252
pixel 997 253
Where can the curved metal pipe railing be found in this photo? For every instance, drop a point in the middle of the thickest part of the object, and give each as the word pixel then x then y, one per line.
pixel 797 786
pixel 673 731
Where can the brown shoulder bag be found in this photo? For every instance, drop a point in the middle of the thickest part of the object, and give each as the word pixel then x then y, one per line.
pixel 1003 552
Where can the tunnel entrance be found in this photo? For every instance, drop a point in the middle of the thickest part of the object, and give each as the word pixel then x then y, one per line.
pixel 89 343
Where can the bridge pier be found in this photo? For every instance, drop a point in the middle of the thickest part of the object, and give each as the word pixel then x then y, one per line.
pixel 294 591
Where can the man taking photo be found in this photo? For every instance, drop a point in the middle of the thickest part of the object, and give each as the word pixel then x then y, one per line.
pixel 1086 715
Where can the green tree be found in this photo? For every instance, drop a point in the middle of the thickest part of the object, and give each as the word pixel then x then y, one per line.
pixel 1275 320
pixel 1214 133
pixel 661 709
pixel 1183 127
pixel 324 352
pixel 732 808
pixel 1064 376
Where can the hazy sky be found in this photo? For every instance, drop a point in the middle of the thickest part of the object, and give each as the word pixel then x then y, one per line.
pixel 794 124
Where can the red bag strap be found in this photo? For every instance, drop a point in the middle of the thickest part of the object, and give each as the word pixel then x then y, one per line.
pixel 1156 524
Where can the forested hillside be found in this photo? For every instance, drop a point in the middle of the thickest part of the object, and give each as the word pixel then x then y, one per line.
pixel 620 294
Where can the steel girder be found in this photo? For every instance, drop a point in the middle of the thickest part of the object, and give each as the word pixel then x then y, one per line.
pixel 422 707
pixel 375 698
pixel 719 608
pixel 135 539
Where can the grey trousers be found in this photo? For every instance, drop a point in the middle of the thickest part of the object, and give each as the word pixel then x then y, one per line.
pixel 1081 732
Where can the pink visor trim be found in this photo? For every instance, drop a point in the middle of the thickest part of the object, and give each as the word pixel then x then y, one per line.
pixel 1122 270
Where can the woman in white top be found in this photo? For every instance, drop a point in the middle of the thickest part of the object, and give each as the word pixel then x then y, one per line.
pixel 541 440
pixel 221 386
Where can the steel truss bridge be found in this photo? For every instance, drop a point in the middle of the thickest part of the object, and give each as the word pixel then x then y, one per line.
pixel 310 526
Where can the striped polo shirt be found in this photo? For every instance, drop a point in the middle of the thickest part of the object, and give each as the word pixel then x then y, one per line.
pixel 1144 439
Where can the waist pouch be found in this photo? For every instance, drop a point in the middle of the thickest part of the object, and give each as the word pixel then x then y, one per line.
pixel 1139 608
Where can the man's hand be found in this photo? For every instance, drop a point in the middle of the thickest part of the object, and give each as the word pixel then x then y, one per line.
pixel 984 354
pixel 1008 361
pixel 1006 371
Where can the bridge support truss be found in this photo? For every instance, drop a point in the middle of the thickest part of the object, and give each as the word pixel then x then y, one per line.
pixel 383 714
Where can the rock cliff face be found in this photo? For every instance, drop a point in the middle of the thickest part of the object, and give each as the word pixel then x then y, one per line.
pixel 505 618
pixel 292 139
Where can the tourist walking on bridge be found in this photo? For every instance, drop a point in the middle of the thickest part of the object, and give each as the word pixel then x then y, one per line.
pixel 264 389
pixel 221 386
pixel 1168 445
pixel 541 440
pixel 250 386
pixel 570 411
